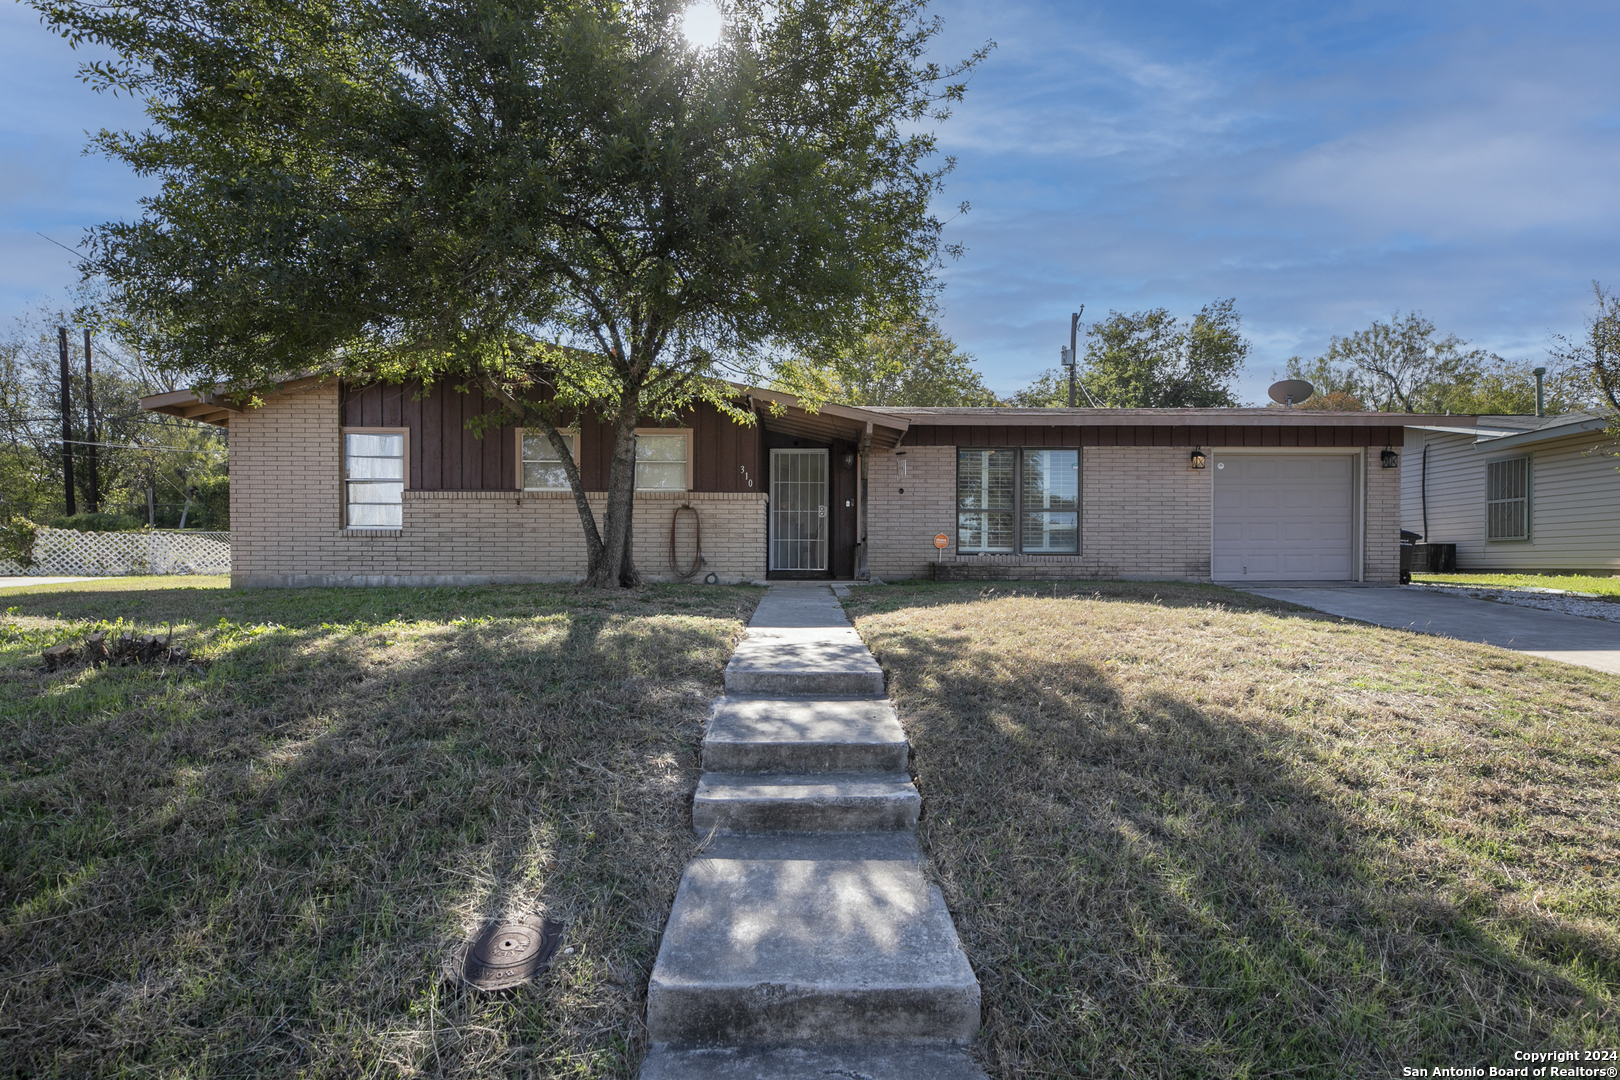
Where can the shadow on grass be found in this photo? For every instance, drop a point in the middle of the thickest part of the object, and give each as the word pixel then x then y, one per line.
pixel 1152 886
pixel 258 870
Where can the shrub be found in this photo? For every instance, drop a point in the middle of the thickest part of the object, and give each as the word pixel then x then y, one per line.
pixel 99 523
pixel 17 540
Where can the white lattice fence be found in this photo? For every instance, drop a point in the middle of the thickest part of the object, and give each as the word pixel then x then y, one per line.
pixel 67 553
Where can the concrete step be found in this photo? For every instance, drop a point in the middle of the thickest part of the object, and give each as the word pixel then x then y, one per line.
pixel 803 660
pixel 804 802
pixel 869 1061
pixel 815 939
pixel 776 734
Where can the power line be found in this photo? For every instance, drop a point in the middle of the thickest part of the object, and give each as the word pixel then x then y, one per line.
pixel 138 446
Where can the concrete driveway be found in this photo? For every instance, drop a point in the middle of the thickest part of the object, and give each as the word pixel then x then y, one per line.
pixel 1593 643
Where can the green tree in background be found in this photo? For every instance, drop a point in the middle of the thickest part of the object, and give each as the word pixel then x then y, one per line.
pixel 909 362
pixel 1404 365
pixel 561 202
pixel 1152 360
pixel 140 454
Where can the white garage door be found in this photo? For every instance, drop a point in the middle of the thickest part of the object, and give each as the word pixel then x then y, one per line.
pixel 1283 518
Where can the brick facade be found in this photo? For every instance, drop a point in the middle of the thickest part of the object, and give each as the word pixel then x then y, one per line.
pixel 287 517
pixel 1144 514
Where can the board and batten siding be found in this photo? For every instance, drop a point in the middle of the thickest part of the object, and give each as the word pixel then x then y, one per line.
pixel 447 455
pixel 1574 502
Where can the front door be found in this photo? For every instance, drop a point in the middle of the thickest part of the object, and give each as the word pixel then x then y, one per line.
pixel 799 510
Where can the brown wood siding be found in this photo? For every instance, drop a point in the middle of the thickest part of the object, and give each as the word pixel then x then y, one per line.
pixel 1326 435
pixel 447 456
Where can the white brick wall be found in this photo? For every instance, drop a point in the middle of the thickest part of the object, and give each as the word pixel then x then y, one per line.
pixel 286 518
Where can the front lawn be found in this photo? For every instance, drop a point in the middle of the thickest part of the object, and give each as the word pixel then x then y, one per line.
pixel 1580 583
pixel 1188 832
pixel 255 866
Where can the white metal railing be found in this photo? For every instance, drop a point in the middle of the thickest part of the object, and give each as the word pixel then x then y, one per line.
pixel 69 553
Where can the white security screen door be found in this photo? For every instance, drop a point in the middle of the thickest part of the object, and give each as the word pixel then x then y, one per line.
pixel 798 509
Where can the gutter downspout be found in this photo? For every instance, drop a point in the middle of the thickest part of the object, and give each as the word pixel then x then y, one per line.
pixel 1425 490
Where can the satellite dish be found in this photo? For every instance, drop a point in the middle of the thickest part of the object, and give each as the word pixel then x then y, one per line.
pixel 1291 392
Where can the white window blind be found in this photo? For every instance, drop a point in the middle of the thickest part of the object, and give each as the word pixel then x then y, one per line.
pixel 373 480
pixel 1050 497
pixel 542 467
pixel 984 499
pixel 1507 499
pixel 661 462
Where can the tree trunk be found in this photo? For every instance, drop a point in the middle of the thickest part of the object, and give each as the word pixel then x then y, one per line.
pixel 616 567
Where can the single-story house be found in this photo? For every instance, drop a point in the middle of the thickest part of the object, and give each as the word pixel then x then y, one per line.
pixel 1516 493
pixel 340 484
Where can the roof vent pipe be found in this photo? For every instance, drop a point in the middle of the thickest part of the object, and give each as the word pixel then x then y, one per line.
pixel 1541 395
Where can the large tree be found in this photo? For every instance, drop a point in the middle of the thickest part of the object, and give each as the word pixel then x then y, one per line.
pixel 560 201
pixel 907 362
pixel 1152 360
pixel 1404 365
pixel 1593 359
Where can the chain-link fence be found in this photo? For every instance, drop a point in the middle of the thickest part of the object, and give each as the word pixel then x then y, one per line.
pixel 67 553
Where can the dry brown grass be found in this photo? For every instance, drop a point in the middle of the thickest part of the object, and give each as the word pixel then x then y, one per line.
pixel 1188 832
pixel 256 870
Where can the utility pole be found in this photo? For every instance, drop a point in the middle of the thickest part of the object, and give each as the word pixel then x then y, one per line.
pixel 1073 358
pixel 91 437
pixel 67 422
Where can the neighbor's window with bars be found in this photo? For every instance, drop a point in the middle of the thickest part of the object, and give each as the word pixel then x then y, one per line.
pixel 373 479
pixel 661 461
pixel 1018 500
pixel 542 467
pixel 1507 499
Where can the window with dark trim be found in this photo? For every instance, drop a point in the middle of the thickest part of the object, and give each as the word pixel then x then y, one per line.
pixel 1507 499
pixel 1018 500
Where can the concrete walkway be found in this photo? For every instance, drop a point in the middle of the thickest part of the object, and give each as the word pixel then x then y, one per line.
pixel 806 940
pixel 23 582
pixel 1589 643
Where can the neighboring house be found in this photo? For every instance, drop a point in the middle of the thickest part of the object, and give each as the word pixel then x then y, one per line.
pixel 1515 492
pixel 335 484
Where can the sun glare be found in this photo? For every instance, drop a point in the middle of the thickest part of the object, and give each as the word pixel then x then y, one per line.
pixel 702 23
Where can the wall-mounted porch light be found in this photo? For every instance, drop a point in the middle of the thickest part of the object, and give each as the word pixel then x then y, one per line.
pixel 1197 458
pixel 1389 459
pixel 849 459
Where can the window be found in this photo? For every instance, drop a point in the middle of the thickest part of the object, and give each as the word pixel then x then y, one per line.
pixel 373 479
pixel 984 499
pixel 661 461
pixel 1018 500
pixel 1051 500
pixel 1507 499
pixel 542 468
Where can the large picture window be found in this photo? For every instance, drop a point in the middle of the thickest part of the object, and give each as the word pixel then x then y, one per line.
pixel 661 461
pixel 542 467
pixel 1507 499
pixel 1018 500
pixel 373 479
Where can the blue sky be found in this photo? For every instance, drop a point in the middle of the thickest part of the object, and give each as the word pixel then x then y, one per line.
pixel 1325 164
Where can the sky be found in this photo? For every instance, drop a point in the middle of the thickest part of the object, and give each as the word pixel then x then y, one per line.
pixel 1323 164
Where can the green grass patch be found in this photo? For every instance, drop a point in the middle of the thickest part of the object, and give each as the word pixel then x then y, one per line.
pixel 1582 583
pixel 255 867
pixel 1190 832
